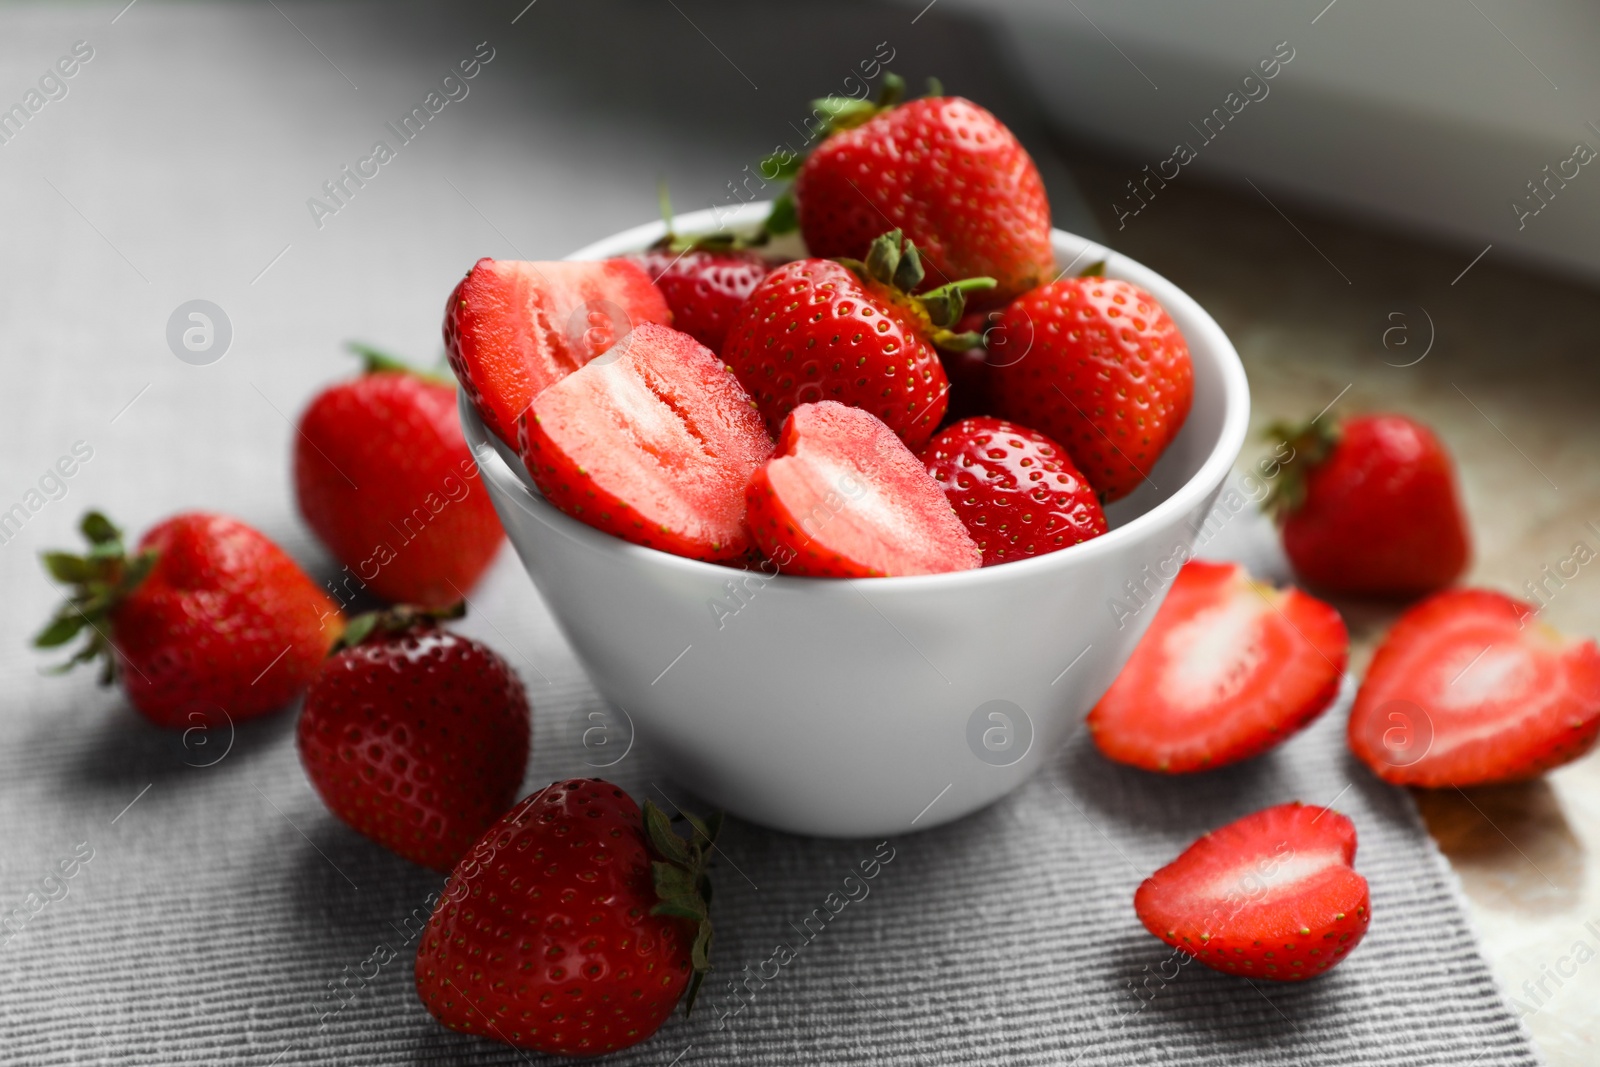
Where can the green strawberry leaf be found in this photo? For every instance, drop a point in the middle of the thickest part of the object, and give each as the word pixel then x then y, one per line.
pixel 67 568
pixel 61 629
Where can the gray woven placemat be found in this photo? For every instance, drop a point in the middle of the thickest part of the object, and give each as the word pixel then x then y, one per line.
pixel 223 917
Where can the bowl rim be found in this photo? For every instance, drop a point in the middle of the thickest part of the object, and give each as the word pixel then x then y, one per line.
pixel 513 479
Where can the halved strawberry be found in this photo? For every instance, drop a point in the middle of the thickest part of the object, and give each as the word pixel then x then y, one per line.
pixel 1469 689
pixel 512 329
pixel 843 497
pixel 1271 895
pixel 1229 668
pixel 653 443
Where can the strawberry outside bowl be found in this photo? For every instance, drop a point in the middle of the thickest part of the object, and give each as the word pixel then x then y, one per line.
pixel 877 706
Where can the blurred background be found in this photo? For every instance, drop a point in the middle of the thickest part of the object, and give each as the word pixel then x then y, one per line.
pixel 1405 216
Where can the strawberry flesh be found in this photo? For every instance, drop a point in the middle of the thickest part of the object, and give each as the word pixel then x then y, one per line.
pixel 653 443
pixel 512 328
pixel 1469 688
pixel 843 497
pixel 1271 895
pixel 1228 669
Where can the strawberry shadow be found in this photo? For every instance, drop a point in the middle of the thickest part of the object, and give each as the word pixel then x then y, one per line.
pixel 1511 845
pixel 126 750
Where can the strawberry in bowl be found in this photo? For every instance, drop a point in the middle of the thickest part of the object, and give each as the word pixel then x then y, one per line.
pixel 833 705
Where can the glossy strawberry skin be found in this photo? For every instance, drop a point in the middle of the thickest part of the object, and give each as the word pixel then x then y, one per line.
pixel 1182 705
pixel 417 740
pixel 704 289
pixel 225 620
pixel 813 330
pixel 951 176
pixel 1014 489
pixel 1468 688
pixel 815 507
pixel 513 328
pixel 383 476
pixel 1098 365
pixel 1229 902
pixel 543 937
pixel 1381 516
pixel 653 444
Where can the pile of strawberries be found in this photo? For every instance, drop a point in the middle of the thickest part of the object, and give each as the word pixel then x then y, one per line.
pixel 923 395
pixel 644 393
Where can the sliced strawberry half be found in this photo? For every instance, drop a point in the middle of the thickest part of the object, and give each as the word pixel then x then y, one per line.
pixel 1468 689
pixel 654 443
pixel 512 329
pixel 843 497
pixel 1272 895
pixel 1229 668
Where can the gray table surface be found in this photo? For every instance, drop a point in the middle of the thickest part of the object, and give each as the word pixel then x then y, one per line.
pixel 221 899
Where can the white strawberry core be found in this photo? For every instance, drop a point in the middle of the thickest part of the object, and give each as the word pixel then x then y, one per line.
pixel 1210 657
pixel 1269 875
pixel 1494 675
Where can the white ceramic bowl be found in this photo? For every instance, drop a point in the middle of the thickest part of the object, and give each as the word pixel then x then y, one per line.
pixel 882 705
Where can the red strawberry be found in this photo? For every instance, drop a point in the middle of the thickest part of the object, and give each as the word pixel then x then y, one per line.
pixel 819 330
pixel 207 614
pixel 1468 689
pixel 652 444
pixel 704 288
pixel 415 736
pixel 942 169
pixel 513 328
pixel 572 927
pixel 1098 365
pixel 1015 490
pixel 1370 508
pixel 384 477
pixel 843 498
pixel 1272 895
pixel 1228 669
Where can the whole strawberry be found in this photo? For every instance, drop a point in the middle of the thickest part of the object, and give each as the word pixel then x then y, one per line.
pixel 206 614
pixel 704 287
pixel 1014 489
pixel 573 926
pixel 415 736
pixel 1369 507
pixel 1098 365
pixel 815 329
pixel 942 169
pixel 384 477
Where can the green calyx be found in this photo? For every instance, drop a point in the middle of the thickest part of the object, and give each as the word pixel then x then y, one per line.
pixel 375 360
pixel 394 620
pixel 894 262
pixel 682 884
pixel 1308 443
pixel 98 581
pixel 836 113
pixel 721 241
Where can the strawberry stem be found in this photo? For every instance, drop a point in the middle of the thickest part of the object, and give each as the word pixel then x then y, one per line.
pixel 682 884
pixel 894 262
pixel 398 618
pixel 376 360
pixel 99 580
pixel 1309 444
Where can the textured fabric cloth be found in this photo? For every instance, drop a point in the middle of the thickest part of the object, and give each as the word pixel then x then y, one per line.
pixel 183 898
